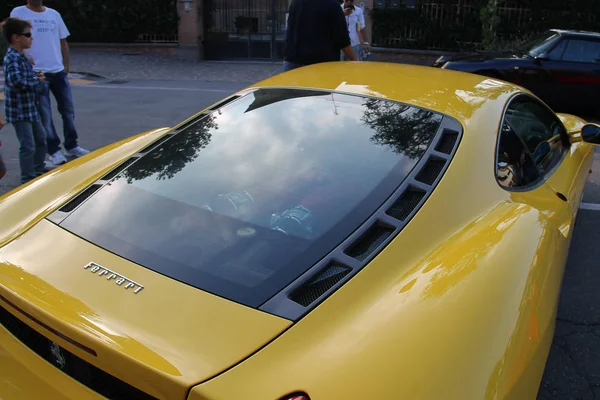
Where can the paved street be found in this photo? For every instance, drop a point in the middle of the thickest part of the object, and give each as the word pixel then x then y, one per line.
pixel 108 111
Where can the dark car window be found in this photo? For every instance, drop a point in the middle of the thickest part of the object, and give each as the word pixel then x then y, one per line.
pixel 584 51
pixel 557 52
pixel 530 144
pixel 247 199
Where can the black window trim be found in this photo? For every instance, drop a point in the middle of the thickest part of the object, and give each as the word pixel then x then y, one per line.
pixel 544 175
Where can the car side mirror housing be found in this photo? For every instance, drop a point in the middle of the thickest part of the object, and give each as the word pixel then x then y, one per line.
pixel 542 57
pixel 590 133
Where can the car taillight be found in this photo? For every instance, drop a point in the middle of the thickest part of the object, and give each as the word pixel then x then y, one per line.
pixel 296 396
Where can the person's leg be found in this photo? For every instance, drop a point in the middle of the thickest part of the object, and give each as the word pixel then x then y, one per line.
pixel 52 139
pixel 61 89
pixel 288 66
pixel 39 138
pixel 24 132
pixel 2 167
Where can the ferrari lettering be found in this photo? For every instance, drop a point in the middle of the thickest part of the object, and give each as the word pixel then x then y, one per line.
pixel 110 275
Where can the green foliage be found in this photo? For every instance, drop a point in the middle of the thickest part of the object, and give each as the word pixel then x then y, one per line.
pixel 110 21
pixel 489 23
pixel 458 25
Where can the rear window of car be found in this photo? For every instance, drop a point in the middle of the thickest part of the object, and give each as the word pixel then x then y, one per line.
pixel 249 197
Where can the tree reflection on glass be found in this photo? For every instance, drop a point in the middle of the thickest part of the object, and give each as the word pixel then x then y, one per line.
pixel 172 156
pixel 408 131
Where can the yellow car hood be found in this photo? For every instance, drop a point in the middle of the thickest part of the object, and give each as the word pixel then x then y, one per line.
pixel 162 340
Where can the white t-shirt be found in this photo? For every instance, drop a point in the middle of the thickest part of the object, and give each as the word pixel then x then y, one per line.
pixel 48 28
pixel 353 21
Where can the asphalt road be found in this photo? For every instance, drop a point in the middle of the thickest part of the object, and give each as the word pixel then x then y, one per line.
pixel 109 112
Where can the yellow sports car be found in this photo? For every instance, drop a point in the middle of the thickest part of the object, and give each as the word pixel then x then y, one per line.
pixel 340 231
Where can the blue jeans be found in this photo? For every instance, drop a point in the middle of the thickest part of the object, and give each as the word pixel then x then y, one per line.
pixel 32 150
pixel 58 84
pixel 288 66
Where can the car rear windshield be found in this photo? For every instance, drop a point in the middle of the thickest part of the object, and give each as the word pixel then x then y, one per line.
pixel 247 198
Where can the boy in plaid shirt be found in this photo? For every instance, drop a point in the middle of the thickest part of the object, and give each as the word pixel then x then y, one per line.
pixel 21 85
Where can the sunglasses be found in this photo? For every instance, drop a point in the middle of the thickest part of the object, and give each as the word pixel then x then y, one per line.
pixel 27 34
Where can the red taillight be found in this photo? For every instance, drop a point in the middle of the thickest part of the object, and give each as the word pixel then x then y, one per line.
pixel 296 396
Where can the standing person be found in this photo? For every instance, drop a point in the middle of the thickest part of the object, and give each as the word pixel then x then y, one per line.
pixel 50 54
pixel 316 33
pixel 354 30
pixel 361 18
pixel 21 84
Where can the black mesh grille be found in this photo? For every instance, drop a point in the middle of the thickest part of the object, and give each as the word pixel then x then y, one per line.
pixel 431 171
pixel 155 144
pixel 73 204
pixel 117 170
pixel 369 241
pixel 319 284
pixel 409 200
pixel 447 142
pixel 78 369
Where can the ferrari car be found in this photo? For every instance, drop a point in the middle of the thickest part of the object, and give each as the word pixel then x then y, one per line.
pixel 561 67
pixel 339 231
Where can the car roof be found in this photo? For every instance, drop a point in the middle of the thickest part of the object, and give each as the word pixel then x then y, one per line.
pixel 454 93
pixel 595 35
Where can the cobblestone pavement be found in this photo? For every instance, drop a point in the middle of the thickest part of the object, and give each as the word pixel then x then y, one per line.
pixel 124 65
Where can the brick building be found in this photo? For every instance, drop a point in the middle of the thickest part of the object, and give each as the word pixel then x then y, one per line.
pixel 237 29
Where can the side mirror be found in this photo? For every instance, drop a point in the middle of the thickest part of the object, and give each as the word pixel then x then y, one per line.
pixel 590 133
pixel 542 57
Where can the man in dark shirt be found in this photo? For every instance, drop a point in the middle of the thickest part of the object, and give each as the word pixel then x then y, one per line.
pixel 316 32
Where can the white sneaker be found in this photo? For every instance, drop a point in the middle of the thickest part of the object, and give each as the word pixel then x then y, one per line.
pixel 57 158
pixel 76 152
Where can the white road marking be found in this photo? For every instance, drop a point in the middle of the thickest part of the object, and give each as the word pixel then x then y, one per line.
pixel 125 86
pixel 590 206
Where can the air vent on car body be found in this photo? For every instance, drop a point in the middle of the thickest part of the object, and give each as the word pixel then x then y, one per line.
pixel 431 171
pixel 80 198
pixel 319 284
pixel 369 241
pixel 406 203
pixel 447 141
pixel 110 175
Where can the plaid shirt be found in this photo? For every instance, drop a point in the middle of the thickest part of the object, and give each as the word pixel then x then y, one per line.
pixel 20 88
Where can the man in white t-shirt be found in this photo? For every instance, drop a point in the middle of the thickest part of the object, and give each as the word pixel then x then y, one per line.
pixel 50 54
pixel 361 18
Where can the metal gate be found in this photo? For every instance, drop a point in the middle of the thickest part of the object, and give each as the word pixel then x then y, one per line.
pixel 244 29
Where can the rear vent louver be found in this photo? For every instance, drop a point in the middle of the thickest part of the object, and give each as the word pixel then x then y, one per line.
pixel 118 170
pixel 405 205
pixel 366 244
pixel 431 171
pixel 319 284
pixel 224 102
pixel 73 204
pixel 155 144
pixel 447 141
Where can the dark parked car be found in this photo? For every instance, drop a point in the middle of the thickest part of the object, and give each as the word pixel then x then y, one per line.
pixel 561 67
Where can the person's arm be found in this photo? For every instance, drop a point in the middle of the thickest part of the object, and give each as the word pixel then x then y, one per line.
pixel 64 49
pixel 15 77
pixel 340 33
pixel 64 45
pixel 349 52
pixel 363 29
